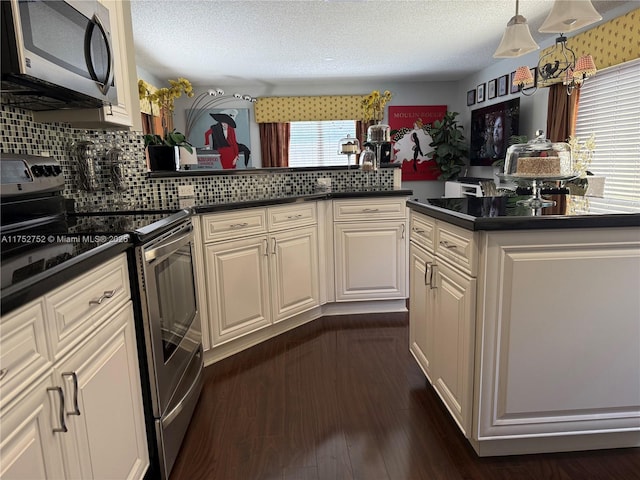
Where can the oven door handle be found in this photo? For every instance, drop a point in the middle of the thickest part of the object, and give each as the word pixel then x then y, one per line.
pixel 166 248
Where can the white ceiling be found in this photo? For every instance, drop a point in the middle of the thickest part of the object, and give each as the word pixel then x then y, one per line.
pixel 222 42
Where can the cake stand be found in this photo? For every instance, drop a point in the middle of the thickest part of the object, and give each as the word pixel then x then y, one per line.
pixel 536 200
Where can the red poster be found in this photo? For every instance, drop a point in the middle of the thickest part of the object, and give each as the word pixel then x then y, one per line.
pixel 410 140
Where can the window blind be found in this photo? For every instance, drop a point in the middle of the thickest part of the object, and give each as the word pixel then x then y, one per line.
pixel 610 107
pixel 315 144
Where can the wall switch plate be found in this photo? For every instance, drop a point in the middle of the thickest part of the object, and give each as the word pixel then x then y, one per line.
pixel 186 191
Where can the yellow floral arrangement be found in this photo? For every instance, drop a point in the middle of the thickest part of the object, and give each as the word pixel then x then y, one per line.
pixel 373 105
pixel 164 98
pixel 582 153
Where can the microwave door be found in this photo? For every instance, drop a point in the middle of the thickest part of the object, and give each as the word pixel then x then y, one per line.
pixel 99 54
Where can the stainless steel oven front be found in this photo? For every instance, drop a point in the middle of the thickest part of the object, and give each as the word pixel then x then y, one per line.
pixel 173 335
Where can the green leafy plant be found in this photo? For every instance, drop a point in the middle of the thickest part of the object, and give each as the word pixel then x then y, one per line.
pixel 164 98
pixel 171 139
pixel 450 149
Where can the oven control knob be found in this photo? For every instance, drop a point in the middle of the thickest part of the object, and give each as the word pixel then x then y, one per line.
pixel 48 171
pixel 37 170
pixel 57 170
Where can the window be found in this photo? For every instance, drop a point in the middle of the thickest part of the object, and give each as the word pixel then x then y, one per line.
pixel 315 144
pixel 610 108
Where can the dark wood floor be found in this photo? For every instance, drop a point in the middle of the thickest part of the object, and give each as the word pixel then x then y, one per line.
pixel 342 398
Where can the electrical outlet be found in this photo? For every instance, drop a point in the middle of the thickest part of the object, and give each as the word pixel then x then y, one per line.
pixel 186 191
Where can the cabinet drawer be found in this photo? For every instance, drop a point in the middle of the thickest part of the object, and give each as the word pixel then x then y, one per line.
pixel 80 305
pixel 458 246
pixel 370 209
pixel 423 231
pixel 238 223
pixel 289 216
pixel 23 349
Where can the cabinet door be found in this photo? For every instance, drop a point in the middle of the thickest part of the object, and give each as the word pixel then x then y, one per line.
pixel 294 272
pixel 421 312
pixel 103 404
pixel 454 334
pixel 29 448
pixel 237 287
pixel 370 260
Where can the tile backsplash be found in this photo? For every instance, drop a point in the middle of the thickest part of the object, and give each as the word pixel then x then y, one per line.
pixel 20 134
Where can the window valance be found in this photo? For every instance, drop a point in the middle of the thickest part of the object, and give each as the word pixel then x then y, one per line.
pixel 611 43
pixel 299 109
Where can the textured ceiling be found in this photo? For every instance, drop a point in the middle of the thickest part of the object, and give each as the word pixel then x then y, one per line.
pixel 312 41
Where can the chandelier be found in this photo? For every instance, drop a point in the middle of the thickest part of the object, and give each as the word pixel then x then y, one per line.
pixel 559 63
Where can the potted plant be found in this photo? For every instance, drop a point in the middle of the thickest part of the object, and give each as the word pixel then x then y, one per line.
pixel 449 146
pixel 163 151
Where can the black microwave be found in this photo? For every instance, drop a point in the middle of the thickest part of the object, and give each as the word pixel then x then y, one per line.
pixel 57 54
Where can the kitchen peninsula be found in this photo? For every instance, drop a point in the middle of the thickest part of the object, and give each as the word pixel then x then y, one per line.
pixel 527 322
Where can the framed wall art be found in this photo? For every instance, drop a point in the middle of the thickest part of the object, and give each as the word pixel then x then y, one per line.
pixel 491 88
pixel 471 97
pixel 410 139
pixel 512 88
pixel 480 93
pixel 502 85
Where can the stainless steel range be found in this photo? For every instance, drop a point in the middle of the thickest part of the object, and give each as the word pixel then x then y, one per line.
pixel 163 286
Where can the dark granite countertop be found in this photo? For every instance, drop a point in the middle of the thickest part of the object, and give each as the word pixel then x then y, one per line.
pixel 41 273
pixel 94 237
pixel 504 213
pixel 277 200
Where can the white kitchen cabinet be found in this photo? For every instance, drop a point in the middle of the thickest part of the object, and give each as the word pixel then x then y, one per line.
pixel 515 331
pixel 83 360
pixel 237 277
pixel 453 325
pixel 101 383
pixel 370 248
pixel 294 272
pixel 442 313
pixel 126 113
pixel 261 267
pixel 422 308
pixel 559 325
pixel 29 448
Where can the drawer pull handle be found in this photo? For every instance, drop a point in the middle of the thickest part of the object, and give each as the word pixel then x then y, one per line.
pixel 370 210
pixel 403 231
pixel 294 217
pixel 239 225
pixel 450 246
pixel 63 426
pixel 427 277
pixel 432 285
pixel 74 377
pixel 3 372
pixel 419 231
pixel 106 295
pixel 266 247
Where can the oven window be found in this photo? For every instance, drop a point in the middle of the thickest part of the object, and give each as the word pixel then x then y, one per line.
pixel 176 298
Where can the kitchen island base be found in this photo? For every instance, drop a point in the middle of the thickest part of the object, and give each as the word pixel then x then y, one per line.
pixel 541 343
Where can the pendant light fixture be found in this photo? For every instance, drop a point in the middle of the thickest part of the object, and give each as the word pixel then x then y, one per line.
pixel 517 39
pixel 569 15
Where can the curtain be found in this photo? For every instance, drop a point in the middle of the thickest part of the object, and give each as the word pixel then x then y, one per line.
pixel 274 144
pixel 562 113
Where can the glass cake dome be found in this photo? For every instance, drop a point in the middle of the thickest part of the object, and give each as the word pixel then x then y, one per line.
pixel 539 158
